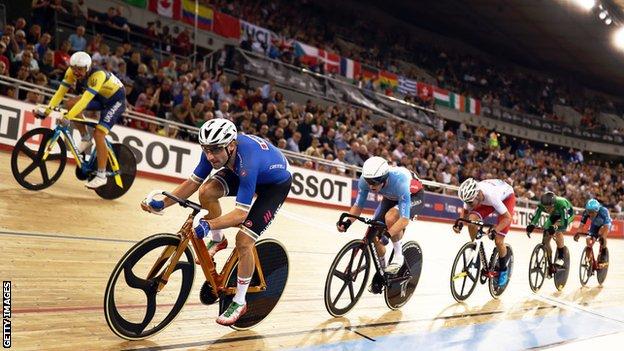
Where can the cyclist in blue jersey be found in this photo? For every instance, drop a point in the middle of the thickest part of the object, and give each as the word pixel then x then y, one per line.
pixel 402 199
pixel 600 224
pixel 247 165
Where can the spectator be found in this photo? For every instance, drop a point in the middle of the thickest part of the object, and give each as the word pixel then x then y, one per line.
pixel 42 46
pixel 61 56
pixel 293 142
pixel 223 111
pixel 80 12
pixel 77 40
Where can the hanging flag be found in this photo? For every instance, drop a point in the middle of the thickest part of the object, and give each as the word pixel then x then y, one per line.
pixel 388 79
pixel 307 54
pixel 407 86
pixel 425 91
pixel 257 33
pixel 204 15
pixel 457 102
pixel 441 97
pixel 369 72
pixel 349 68
pixel 226 25
pixel 331 61
pixel 137 3
pixel 473 106
pixel 166 8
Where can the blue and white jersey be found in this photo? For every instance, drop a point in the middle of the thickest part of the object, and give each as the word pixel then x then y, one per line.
pixel 399 187
pixel 257 162
pixel 602 218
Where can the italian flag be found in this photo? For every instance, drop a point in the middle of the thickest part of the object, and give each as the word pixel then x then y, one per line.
pixel 473 106
pixel 457 102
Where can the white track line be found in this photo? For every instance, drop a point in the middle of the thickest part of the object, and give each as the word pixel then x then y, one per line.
pixel 571 306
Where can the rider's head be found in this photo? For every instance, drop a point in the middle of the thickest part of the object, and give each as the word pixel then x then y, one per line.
pixel 592 206
pixel 375 172
pixel 80 63
pixel 217 138
pixel 469 192
pixel 548 199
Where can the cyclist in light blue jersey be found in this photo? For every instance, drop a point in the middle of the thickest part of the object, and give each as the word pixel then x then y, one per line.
pixel 402 199
pixel 600 224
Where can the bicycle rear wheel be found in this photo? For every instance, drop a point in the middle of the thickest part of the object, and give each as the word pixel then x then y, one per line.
pixel 127 171
pixel 275 266
pixel 27 157
pixel 602 272
pixel 495 289
pixel 537 267
pixel 464 274
pixel 397 294
pixel 562 273
pixel 349 271
pixel 137 310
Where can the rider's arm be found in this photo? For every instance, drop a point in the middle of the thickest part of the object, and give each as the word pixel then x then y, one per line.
pixel 536 216
pixel 66 83
pixel 184 190
pixel 360 200
pixel 95 82
pixel 244 197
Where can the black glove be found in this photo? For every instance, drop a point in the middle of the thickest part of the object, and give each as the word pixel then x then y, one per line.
pixel 345 224
pixel 458 227
pixel 529 229
pixel 549 231
pixel 492 233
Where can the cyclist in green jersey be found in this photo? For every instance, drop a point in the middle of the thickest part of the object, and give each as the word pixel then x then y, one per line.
pixel 560 215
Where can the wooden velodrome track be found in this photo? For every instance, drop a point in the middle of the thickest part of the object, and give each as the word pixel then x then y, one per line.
pixel 60 245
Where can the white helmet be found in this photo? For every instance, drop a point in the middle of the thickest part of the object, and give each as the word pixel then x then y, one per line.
pixel 217 132
pixel 468 190
pixel 375 170
pixel 80 59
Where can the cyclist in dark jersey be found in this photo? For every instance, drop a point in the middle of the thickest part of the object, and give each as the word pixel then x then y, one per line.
pixel 247 165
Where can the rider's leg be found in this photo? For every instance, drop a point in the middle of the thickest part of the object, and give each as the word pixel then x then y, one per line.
pixel 603 232
pixel 102 158
pixel 472 229
pixel 244 247
pixel 390 218
pixel 502 250
pixel 546 242
pixel 560 245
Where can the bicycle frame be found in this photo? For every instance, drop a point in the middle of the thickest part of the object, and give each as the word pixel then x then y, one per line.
pixel 589 249
pixel 216 280
pixel 80 163
pixel 478 240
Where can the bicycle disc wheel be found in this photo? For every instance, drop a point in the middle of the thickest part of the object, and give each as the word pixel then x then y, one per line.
pixel 397 294
pixel 27 157
pixel 137 310
pixel 127 171
pixel 495 289
pixel 562 273
pixel 585 267
pixel 348 272
pixel 602 272
pixel 464 274
pixel 537 267
pixel 275 266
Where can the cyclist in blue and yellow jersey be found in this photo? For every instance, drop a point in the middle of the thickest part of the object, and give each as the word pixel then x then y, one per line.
pixel 101 91
pixel 600 224
pixel 402 199
pixel 246 165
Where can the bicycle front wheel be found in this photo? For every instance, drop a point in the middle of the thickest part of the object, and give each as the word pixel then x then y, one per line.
pixel 347 278
pixel 133 306
pixel 537 267
pixel 585 266
pixel 29 168
pixel 465 273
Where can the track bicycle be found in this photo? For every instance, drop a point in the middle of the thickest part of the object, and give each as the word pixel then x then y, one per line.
pixel 589 265
pixel 542 266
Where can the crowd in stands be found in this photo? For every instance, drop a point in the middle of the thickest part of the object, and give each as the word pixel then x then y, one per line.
pixel 341 134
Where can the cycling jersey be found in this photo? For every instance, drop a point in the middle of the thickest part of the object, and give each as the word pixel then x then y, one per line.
pixel 399 187
pixel 562 212
pixel 602 218
pixel 257 162
pixel 495 191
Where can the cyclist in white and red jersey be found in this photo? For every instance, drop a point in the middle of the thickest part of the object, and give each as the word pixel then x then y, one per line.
pixel 481 199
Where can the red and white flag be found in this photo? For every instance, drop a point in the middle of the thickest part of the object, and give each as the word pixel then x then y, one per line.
pixel 331 60
pixel 166 8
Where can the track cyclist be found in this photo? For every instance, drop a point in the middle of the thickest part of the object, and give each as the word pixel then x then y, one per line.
pixel 247 165
pixel 560 215
pixel 402 199
pixel 481 199
pixel 101 91
pixel 600 224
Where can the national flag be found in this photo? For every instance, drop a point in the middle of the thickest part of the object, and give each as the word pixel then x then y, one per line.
pixel 441 96
pixel 388 79
pixel 282 42
pixel 331 61
pixel 457 102
pixel 473 106
pixel 349 68
pixel 369 72
pixel 407 86
pixel 166 8
pixel 204 15
pixel 307 54
pixel 226 25
pixel 425 91
pixel 137 3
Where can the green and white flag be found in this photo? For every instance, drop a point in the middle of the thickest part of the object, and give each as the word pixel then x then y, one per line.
pixel 137 3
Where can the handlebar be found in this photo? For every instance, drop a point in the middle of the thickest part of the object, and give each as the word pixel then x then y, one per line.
pixel 186 203
pixel 459 223
pixel 368 221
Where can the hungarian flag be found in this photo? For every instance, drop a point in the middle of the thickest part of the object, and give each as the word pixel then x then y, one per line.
pixel 331 60
pixel 166 8
pixel 204 15
pixel 226 25
pixel 442 97
pixel 388 79
pixel 307 54
pixel 349 68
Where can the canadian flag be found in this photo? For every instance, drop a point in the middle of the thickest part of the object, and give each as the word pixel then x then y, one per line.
pixel 166 8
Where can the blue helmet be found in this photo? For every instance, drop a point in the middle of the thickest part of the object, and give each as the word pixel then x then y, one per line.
pixel 592 205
